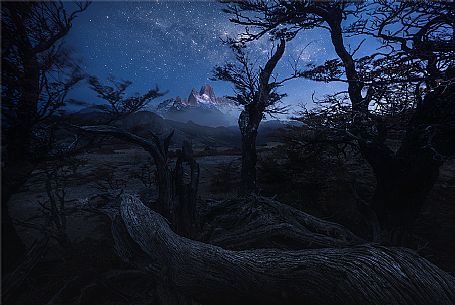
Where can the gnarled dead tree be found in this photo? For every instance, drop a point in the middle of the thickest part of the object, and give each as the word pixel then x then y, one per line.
pixel 157 148
pixel 260 222
pixel 366 274
pixel 37 74
pixel 256 91
pixel 416 51
pixel 186 179
pixel 177 188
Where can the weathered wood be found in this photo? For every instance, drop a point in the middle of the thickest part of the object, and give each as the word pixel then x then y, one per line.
pixel 251 117
pixel 176 194
pixel 129 251
pixel 186 176
pixel 366 274
pixel 249 124
pixel 158 149
pixel 260 222
pixel 106 130
pixel 406 178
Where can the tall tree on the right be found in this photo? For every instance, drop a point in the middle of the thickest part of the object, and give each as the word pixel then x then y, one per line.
pixel 415 51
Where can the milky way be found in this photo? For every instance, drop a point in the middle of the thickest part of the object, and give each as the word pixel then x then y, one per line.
pixel 175 45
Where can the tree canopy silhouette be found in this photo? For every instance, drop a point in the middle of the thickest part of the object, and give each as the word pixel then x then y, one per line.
pixel 37 74
pixel 412 71
pixel 255 90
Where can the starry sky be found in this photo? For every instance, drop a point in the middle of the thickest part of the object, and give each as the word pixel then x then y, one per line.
pixel 175 45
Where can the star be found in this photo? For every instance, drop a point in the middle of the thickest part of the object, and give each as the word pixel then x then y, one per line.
pixel 175 44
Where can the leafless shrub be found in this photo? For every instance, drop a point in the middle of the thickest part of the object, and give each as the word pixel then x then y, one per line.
pixel 146 174
pixel 108 184
pixel 55 208
pixel 225 179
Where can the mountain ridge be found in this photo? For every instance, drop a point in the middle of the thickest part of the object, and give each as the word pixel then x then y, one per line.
pixel 202 107
pixel 144 122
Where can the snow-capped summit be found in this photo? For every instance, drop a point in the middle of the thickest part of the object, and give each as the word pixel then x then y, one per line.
pixel 208 93
pixel 205 96
pixel 203 107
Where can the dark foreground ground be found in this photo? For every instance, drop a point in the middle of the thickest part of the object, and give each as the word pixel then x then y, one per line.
pixel 330 192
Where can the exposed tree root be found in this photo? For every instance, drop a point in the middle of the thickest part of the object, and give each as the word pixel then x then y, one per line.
pixel 363 274
pixel 259 222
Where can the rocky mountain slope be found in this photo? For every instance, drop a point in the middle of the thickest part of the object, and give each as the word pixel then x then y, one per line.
pixel 202 107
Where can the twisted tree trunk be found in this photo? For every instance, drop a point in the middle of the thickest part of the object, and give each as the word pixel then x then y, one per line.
pixel 177 194
pixel 166 191
pixel 186 181
pixel 158 150
pixel 405 178
pixel 259 222
pixel 262 99
pixel 364 274
pixel 249 121
pixel 402 187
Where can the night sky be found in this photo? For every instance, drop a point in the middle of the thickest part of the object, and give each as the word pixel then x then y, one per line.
pixel 175 45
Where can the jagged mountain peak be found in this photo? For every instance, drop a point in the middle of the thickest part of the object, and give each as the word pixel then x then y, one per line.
pixel 203 107
pixel 207 90
pixel 193 98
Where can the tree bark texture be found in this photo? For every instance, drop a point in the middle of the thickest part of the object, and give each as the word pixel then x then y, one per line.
pixel 259 222
pixel 364 274
pixel 251 117
pixel 158 149
pixel 186 181
pixel 405 178
pixel 249 121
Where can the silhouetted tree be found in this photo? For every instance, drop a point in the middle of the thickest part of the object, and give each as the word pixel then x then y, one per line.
pixel 416 51
pixel 37 73
pixel 176 199
pixel 37 70
pixel 256 91
pixel 118 105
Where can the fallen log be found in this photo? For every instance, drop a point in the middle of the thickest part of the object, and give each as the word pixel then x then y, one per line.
pixel 364 274
pixel 259 222
pixel 130 252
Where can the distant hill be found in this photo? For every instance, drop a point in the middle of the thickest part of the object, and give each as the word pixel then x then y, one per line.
pixel 144 122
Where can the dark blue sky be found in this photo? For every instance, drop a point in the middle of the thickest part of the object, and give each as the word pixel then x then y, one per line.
pixel 175 45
